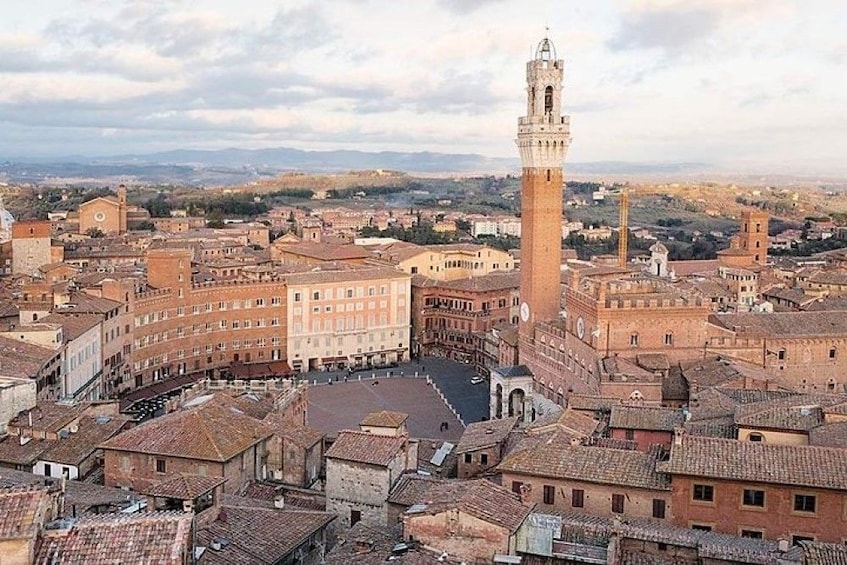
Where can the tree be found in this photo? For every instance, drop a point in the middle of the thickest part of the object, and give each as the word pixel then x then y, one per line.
pixel 94 233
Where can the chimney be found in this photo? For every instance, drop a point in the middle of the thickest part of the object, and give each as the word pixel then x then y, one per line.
pixel 678 433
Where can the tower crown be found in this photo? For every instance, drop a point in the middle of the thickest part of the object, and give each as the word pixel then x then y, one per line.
pixel 545 51
pixel 544 133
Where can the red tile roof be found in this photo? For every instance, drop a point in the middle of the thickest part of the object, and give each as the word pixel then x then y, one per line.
pixel 479 498
pixel 22 511
pixel 184 486
pixel 209 432
pixel 150 538
pixel 385 419
pixel 361 447
pixel 799 465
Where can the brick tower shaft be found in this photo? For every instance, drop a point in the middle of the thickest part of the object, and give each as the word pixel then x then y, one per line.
pixel 543 140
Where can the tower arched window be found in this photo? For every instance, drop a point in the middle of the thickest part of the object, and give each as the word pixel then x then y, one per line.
pixel 548 100
pixel 548 175
pixel 532 102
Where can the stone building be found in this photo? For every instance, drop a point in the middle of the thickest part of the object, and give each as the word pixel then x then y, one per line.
pixel 362 468
pixel 483 445
pixel 469 520
pixel 803 350
pixel 31 247
pixel 645 426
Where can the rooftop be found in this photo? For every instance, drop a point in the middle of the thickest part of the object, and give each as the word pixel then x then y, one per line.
pixel 797 465
pixel 362 447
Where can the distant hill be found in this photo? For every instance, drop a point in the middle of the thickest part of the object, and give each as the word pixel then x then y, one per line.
pixel 234 166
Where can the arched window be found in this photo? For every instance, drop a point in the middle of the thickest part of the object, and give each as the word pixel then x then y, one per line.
pixel 755 436
pixel 548 100
pixel 548 175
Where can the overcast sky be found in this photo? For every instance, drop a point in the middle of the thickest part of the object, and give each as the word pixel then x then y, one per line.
pixel 721 81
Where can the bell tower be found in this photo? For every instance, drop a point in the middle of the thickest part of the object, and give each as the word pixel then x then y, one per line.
pixel 543 139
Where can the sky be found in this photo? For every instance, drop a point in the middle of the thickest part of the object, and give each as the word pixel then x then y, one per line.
pixel 740 83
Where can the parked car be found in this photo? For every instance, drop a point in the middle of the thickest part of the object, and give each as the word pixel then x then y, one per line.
pixel 477 379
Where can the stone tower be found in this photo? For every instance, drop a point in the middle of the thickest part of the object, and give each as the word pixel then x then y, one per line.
pixel 543 139
pixel 754 235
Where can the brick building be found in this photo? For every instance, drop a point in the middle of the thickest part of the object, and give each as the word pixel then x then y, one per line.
pixel 595 480
pixel 206 439
pixel 450 318
pixel 107 214
pixel 757 489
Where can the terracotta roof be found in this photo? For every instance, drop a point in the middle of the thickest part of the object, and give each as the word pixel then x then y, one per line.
pixel 365 544
pixel 22 511
pixel 300 435
pixel 183 486
pixel 73 325
pixel 410 489
pixel 593 403
pixel 147 538
pixel 480 498
pixel 479 435
pixel 349 274
pixel 325 251
pixel 784 324
pixel 13 454
pixel 590 464
pixel 19 359
pixel 817 553
pixel 384 419
pixel 258 535
pixel 653 361
pixel 209 432
pixel 79 497
pixel 646 418
pixel 483 283
pixel 362 447
pixel 49 416
pixel 572 422
pixel 78 446
pixel 81 302
pixel 794 413
pixel 829 435
pixel 800 465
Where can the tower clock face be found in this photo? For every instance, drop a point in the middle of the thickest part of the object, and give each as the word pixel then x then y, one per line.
pixel 580 327
pixel 525 312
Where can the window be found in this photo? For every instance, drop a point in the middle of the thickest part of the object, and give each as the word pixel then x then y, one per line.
pixel 468 458
pixel 832 353
pixel 47 470
pixel 752 534
pixel 297 297
pixel 483 458
pixel 577 498
pixel 633 340
pixel 549 494
pixel 753 497
pixel 669 339
pixel 516 486
pixel 617 503
pixel 701 527
pixel 316 296
pixel 160 465
pixel 805 503
pixel 658 508
pixel 781 355
pixel 756 437
pixel 630 434
pixel 704 493
pixel 355 517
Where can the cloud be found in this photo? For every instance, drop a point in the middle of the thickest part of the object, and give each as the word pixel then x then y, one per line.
pixel 466 6
pixel 670 29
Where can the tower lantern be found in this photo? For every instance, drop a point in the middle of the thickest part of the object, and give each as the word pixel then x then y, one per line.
pixel 543 139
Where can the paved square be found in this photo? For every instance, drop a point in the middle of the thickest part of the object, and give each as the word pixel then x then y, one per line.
pixel 341 406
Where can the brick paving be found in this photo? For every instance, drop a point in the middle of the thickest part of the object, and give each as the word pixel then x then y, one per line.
pixel 343 405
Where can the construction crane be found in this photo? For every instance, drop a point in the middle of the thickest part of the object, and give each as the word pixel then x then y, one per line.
pixel 623 223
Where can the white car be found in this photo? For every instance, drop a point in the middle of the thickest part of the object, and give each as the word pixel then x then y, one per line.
pixel 477 379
